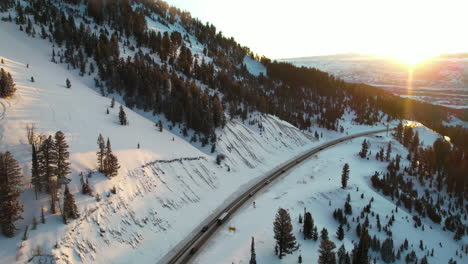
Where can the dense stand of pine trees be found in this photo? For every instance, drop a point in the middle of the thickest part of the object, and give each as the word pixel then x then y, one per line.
pixel 49 170
pixel 325 98
pixel 439 167
pixel 50 165
pixel 107 161
pixel 301 96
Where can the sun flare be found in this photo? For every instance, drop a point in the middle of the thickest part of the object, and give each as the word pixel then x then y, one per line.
pixel 412 58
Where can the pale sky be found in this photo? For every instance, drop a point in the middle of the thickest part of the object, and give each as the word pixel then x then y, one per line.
pixel 408 29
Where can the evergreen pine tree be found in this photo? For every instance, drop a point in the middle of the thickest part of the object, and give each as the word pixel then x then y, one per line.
pixel 47 158
pixel 62 156
pixel 69 206
pixel 324 234
pixel 282 228
pixel 386 251
pixel 111 165
pixel 35 176
pixel 407 136
pixel 315 233
pixel 340 232
pixel 108 147
pixel 122 117
pixel 252 253
pixel 345 176
pixel 341 255
pixel 361 251
pixel 326 253
pixel 399 132
pixel 101 153
pixel 348 209
pixel 364 149
pixel 213 148
pixel 7 86
pixel 308 226
pixel 415 142
pixel 68 83
pixel 112 102
pixel 42 215
pixel 11 186
pixel 389 151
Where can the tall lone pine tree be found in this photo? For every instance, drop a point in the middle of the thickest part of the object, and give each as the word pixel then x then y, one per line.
pixel 10 190
pixel 308 226
pixel 253 259
pixel 35 176
pixel 122 117
pixel 345 176
pixel 101 153
pixel 282 228
pixel 365 147
pixel 62 155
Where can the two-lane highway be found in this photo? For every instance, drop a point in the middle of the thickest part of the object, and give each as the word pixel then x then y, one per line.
pixel 190 248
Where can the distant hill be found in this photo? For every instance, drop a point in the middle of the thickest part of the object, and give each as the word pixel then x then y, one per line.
pixel 441 80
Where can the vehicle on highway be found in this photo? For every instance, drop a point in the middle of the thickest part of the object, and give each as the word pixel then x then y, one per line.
pixel 205 228
pixel 222 218
pixel 193 250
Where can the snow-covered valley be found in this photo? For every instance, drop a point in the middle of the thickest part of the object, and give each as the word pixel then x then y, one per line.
pixel 315 186
pixel 441 81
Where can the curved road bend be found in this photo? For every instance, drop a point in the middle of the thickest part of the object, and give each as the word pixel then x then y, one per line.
pixel 190 247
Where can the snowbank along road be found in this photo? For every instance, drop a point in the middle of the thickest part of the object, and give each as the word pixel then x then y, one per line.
pixel 188 248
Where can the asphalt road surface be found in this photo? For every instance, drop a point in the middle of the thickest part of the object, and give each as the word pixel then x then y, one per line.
pixel 183 253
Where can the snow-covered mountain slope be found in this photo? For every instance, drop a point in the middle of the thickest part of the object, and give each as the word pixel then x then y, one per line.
pixel 164 189
pixel 316 186
pixel 159 184
pixel 254 67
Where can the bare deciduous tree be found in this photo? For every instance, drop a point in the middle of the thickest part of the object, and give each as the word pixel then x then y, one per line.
pixel 31 133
